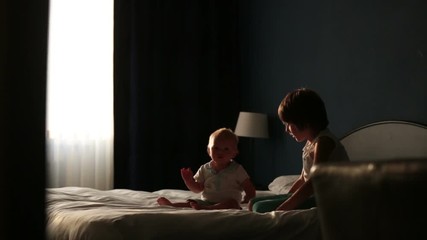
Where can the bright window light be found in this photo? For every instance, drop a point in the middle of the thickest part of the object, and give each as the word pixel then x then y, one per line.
pixel 80 68
pixel 80 94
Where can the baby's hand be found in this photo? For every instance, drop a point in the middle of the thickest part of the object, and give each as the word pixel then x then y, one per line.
pixel 186 173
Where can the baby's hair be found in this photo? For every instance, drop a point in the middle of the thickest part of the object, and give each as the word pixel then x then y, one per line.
pixel 304 108
pixel 224 133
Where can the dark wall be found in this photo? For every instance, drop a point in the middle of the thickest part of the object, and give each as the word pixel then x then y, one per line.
pixel 366 58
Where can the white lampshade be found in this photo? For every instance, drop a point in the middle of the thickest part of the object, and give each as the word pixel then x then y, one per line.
pixel 251 124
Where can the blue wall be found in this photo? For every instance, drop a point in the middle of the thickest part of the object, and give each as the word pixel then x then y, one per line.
pixel 366 58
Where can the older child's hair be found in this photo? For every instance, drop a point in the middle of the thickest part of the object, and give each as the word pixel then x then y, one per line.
pixel 304 108
pixel 223 133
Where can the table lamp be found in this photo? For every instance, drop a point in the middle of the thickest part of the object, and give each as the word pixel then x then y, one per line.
pixel 253 125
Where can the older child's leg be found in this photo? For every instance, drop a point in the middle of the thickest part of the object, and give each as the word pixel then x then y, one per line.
pixel 267 203
pixel 263 198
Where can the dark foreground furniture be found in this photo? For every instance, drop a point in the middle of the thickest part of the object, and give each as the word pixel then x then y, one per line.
pixel 381 200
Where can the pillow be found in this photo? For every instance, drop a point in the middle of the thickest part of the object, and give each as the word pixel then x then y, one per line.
pixel 282 184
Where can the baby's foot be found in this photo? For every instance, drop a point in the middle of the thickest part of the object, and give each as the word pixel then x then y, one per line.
pixel 164 201
pixel 194 204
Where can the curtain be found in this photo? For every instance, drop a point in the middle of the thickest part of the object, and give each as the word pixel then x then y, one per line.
pixel 175 81
pixel 23 48
pixel 80 94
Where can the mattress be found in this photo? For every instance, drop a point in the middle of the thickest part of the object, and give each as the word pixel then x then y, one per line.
pixel 87 213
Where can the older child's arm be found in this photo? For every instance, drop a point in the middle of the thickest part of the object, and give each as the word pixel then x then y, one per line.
pixel 322 150
pixel 298 197
pixel 249 189
pixel 192 185
pixel 297 184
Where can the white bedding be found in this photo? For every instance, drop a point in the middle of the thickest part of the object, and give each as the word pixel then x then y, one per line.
pixel 85 213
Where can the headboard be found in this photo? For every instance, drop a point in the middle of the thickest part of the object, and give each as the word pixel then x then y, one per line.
pixel 387 140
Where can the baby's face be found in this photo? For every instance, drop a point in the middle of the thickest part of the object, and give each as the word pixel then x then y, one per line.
pixel 222 150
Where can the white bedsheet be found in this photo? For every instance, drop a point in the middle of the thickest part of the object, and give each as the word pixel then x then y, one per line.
pixel 86 213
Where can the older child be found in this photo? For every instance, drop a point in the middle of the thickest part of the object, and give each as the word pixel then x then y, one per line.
pixel 221 180
pixel 304 117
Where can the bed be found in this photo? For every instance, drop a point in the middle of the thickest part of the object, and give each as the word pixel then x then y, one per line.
pixel 86 213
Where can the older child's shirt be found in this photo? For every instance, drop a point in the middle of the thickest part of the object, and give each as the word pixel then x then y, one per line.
pixel 338 154
pixel 222 185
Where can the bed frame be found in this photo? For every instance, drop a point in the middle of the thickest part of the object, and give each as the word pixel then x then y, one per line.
pixel 387 140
